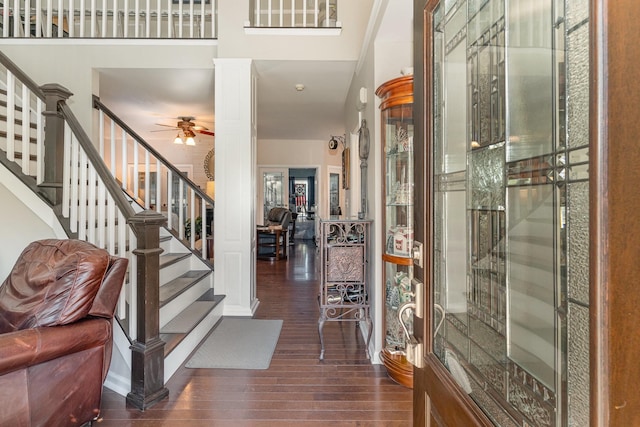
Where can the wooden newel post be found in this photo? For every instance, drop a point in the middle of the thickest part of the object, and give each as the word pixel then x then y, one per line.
pixel 53 142
pixel 147 358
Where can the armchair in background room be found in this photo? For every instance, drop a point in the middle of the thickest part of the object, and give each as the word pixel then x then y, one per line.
pixel 56 319
pixel 272 236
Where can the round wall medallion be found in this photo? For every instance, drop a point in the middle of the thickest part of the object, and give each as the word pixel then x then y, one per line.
pixel 210 164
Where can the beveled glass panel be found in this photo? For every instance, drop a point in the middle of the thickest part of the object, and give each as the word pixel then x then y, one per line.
pixel 455 135
pixel 530 76
pixel 530 280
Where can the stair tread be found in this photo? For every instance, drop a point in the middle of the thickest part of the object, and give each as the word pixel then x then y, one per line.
pixel 188 318
pixel 175 287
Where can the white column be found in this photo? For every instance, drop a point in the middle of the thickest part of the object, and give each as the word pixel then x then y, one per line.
pixel 235 159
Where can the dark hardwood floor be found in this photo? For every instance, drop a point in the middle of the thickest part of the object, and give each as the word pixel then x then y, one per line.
pixel 298 389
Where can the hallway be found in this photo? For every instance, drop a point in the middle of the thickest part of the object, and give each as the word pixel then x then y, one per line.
pixel 297 389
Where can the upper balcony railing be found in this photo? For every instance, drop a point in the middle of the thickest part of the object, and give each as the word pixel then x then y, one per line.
pixel 102 19
pixel 293 14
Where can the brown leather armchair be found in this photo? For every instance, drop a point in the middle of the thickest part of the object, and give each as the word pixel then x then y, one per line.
pixel 56 316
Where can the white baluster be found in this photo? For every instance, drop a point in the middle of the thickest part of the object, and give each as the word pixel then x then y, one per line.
pixel 136 171
pixel 181 207
pixel 293 13
pixel 125 24
pixel 73 206
pixel 123 171
pixel 115 17
pixel 192 202
pixel 16 18
pixel 66 173
pixel 111 224
pixel 27 18
pixel 159 19
pixel 38 16
pixel 136 19
pixel 133 277
pixel 105 10
pixel 304 13
pixel 148 21
pixel 82 217
pixel 158 187
pixel 191 19
pixel 147 173
pixel 40 141
pixel 180 17
pixel 71 19
pixel 169 199
pixel 101 134
pixel 112 159
pixel 203 232
pixel 101 207
pixel 49 21
pixel 203 21
pixel 26 130
pixel 269 13
pixel 93 19
pixel 11 120
pixel 91 205
pixel 170 33
pixel 257 13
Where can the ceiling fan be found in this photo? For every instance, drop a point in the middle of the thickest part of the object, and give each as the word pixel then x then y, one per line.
pixel 188 128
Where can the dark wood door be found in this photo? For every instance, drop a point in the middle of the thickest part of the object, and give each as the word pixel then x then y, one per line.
pixel 592 318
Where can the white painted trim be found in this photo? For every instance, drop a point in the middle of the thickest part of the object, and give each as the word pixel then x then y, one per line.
pixel 292 32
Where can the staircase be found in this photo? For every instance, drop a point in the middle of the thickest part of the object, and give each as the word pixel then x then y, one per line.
pixel 94 202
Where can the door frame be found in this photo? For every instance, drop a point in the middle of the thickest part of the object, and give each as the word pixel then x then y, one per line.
pixel 260 219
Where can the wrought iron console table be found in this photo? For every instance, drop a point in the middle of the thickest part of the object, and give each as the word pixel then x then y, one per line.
pixel 344 284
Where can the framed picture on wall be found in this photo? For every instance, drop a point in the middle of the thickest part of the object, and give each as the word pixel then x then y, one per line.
pixel 345 169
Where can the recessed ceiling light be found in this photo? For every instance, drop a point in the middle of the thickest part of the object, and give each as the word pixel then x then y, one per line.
pixel 299 87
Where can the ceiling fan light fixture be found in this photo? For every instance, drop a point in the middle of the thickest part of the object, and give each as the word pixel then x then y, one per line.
pixel 178 140
pixel 190 141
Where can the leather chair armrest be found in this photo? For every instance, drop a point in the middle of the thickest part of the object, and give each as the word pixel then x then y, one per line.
pixel 21 349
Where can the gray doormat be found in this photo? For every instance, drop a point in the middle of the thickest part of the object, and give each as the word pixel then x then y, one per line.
pixel 238 343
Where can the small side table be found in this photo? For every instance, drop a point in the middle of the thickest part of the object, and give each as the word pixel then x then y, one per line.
pixel 276 242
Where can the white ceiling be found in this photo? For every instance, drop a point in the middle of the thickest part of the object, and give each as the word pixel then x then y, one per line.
pixel 145 97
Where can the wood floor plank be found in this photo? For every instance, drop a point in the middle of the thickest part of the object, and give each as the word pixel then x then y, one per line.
pixel 298 389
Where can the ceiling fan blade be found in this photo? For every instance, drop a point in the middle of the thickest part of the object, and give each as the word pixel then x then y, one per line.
pixel 168 126
pixel 206 132
pixel 164 130
pixel 198 127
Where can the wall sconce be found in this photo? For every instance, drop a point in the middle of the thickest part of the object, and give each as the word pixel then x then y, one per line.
pixel 188 138
pixel 335 140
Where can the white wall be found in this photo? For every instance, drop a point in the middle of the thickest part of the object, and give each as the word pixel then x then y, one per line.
pixel 389 49
pixel 27 219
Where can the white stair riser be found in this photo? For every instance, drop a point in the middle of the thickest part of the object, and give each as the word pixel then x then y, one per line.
pixel 177 357
pixel 174 270
pixel 178 304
